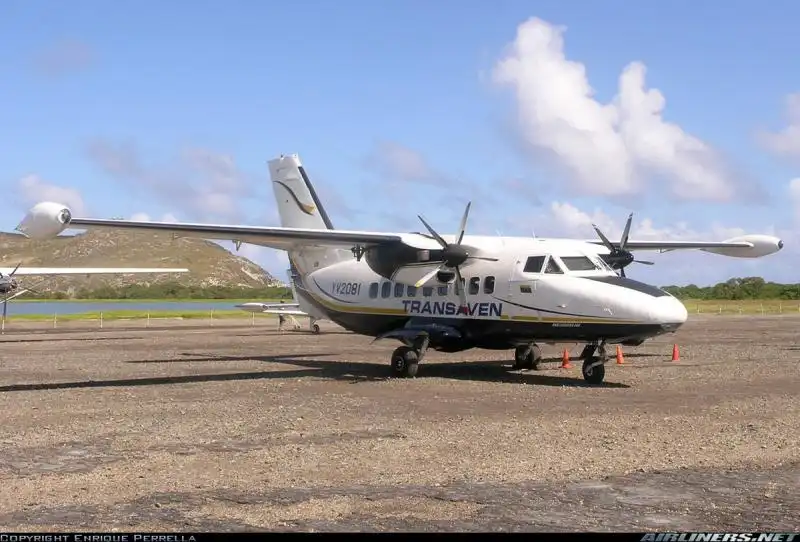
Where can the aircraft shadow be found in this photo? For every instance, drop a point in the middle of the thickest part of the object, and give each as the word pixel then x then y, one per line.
pixel 490 371
pixel 51 339
pixel 327 369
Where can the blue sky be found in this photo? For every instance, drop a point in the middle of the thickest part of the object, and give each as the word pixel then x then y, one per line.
pixel 548 115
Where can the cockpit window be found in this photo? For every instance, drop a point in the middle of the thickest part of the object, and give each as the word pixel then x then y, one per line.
pixel 553 267
pixel 579 263
pixel 534 264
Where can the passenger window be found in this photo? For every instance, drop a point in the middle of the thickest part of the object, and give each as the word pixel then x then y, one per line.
pixel 399 289
pixel 373 290
pixel 442 290
pixel 412 291
pixel 534 264
pixel 488 285
pixel 474 285
pixel 386 289
pixel 427 291
pixel 578 263
pixel 525 288
pixel 553 267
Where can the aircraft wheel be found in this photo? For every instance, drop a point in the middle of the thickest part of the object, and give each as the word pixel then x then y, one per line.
pixel 405 362
pixel 593 375
pixel 315 329
pixel 531 361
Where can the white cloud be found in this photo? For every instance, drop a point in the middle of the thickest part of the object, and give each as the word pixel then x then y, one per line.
pixel 204 184
pixel 166 217
pixel 608 149
pixel 397 162
pixel 794 194
pixel 34 189
pixel 787 141
pixel 566 220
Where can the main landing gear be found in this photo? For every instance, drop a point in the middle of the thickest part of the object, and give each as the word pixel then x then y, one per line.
pixel 594 357
pixel 406 359
pixel 527 357
pixel 313 326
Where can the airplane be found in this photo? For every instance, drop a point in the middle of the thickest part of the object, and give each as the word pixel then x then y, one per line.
pixel 10 288
pixel 449 292
pixel 298 308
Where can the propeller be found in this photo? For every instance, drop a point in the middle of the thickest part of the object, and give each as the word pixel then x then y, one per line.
pixel 619 257
pixel 9 293
pixel 453 256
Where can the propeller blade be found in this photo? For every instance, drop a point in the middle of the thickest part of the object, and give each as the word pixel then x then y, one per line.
pixel 644 262
pixel 433 232
pixel 460 287
pixel 622 272
pixel 428 277
pixel 604 239
pixel 463 226
pixel 484 258
pixel 5 312
pixel 626 232
pixel 15 269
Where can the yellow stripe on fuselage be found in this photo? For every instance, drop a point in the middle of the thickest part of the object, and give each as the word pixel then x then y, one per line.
pixel 361 309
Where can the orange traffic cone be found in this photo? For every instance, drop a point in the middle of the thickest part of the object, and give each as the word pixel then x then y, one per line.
pixel 565 360
pixel 676 356
pixel 620 357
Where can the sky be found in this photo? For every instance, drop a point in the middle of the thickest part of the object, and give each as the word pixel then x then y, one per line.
pixel 547 115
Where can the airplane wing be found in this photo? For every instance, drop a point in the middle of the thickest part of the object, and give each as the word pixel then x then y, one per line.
pixel 272 308
pixel 279 311
pixel 743 246
pixel 46 220
pixel 41 271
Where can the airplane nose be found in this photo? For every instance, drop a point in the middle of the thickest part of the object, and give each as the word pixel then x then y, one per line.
pixel 669 313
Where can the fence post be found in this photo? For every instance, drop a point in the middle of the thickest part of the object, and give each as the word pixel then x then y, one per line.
pixel 253 319
pixel 55 319
pixel 148 320
pixel 212 318
pixel 101 320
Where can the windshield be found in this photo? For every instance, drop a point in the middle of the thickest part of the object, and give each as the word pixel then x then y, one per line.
pixel 579 263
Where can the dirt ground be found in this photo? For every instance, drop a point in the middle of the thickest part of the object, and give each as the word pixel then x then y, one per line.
pixel 235 427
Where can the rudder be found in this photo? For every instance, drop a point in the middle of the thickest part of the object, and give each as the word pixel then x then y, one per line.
pixel 298 204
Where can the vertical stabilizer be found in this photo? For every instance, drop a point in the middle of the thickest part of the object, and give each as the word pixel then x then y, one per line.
pixel 298 204
pixel 300 207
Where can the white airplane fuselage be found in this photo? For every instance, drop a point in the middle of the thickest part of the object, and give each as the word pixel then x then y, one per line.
pixel 506 305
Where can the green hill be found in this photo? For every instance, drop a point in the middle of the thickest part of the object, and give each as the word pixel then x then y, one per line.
pixel 211 267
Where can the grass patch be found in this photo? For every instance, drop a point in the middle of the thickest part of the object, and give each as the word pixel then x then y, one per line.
pixel 140 315
pixel 162 300
pixel 742 306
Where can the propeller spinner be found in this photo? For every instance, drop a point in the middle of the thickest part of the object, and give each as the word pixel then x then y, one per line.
pixel 618 257
pixel 453 256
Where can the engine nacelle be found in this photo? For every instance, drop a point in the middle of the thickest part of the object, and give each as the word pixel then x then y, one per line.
pixel 388 260
pixel 763 245
pixel 45 220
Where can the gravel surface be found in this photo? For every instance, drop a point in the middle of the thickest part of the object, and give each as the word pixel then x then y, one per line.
pixel 236 427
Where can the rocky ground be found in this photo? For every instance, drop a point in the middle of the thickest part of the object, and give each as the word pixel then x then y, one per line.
pixel 235 427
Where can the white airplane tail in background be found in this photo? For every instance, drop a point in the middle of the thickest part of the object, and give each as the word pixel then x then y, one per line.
pixel 300 207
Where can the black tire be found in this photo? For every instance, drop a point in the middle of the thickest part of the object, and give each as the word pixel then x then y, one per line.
pixel 315 329
pixel 531 361
pixel 405 362
pixel 593 375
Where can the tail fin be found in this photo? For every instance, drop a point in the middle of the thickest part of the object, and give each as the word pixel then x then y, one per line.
pixel 298 204
pixel 300 207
